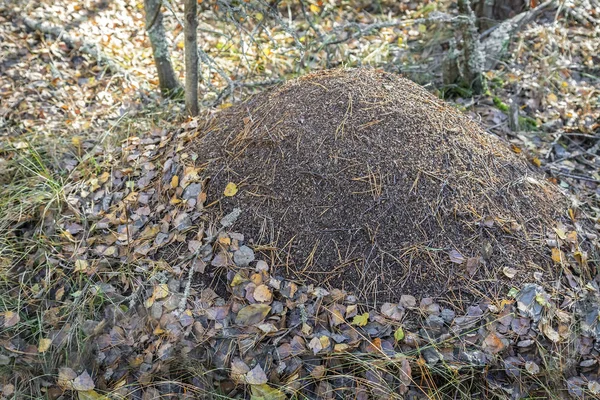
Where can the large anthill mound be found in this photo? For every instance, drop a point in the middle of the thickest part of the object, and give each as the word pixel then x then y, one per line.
pixel 363 180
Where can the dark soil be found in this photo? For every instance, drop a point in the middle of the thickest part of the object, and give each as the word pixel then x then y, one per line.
pixel 363 180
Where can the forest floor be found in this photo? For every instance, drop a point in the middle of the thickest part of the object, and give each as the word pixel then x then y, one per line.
pixel 77 141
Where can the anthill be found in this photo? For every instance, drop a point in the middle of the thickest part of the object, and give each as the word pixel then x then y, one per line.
pixel 365 181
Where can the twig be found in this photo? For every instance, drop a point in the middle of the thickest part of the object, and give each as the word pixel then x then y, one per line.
pixel 580 177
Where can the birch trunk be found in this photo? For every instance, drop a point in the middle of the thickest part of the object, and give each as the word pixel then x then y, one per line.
pixel 168 82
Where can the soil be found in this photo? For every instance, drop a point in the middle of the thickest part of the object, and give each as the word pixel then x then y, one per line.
pixel 363 180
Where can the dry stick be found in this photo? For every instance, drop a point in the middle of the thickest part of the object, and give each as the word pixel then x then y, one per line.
pixel 191 56
pixel 85 47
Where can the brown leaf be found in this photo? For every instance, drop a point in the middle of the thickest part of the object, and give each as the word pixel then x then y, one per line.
pixel 493 343
pixel 65 377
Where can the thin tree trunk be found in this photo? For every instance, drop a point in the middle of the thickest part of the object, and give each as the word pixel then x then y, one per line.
pixel 191 56
pixel 169 84
pixel 474 60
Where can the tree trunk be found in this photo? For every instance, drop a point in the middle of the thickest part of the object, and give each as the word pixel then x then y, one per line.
pixel 473 59
pixel 494 11
pixel 169 84
pixel 191 56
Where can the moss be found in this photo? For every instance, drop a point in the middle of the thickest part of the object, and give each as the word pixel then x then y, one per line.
pixel 528 123
pixel 502 106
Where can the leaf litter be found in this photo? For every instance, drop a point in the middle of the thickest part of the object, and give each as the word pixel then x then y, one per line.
pixel 135 349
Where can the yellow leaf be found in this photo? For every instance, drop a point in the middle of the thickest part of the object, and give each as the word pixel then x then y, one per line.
pixel 338 348
pixel 266 392
pixel 81 265
pixel 237 280
pixel 231 189
pixel 325 342
pixel 160 291
pixel 556 255
pixel 536 161
pixel 174 181
pixel 361 320
pixel 315 9
pixel 91 395
pixel 44 345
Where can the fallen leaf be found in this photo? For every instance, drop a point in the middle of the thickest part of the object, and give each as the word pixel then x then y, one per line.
pixel 325 342
pixel 91 395
pixel 361 320
pixel 532 368
pixel 315 345
pixel 44 345
pixel 266 392
pixel 399 334
pixel 256 376
pixel 262 294
pixel 456 257
pixel 550 333
pixel 11 319
pixel 557 256
pixel 338 348
pixel 238 370
pixel 509 272
pixel 252 314
pixel 493 343
pixel 318 372
pixel 230 190
pixel 83 382
pixel 594 387
pixel 392 311
pixel 81 266
pixel 65 377
pixel 160 291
